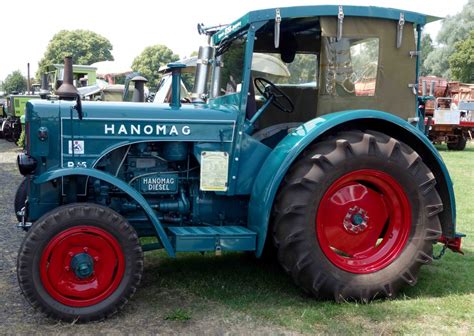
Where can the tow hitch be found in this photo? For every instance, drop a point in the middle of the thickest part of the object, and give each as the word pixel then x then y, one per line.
pixel 454 244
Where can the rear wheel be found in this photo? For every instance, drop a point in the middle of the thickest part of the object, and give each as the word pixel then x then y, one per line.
pixel 459 144
pixel 356 217
pixel 80 262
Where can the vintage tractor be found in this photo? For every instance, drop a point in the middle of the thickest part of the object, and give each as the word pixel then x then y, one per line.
pixel 327 168
pixel 15 109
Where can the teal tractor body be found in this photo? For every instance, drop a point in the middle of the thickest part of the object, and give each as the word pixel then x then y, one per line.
pixel 321 164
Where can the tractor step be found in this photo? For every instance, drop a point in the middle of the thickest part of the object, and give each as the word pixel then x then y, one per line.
pixel 212 238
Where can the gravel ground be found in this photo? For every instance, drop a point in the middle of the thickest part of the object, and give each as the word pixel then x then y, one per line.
pixel 146 312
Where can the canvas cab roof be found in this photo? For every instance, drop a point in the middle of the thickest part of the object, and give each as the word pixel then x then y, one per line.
pixel 241 24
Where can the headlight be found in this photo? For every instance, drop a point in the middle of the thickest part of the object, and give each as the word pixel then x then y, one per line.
pixel 26 164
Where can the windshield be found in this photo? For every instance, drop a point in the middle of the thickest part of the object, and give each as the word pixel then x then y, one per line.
pixel 231 71
pixel 302 70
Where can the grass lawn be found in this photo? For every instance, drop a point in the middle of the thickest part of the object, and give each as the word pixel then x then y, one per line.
pixel 441 303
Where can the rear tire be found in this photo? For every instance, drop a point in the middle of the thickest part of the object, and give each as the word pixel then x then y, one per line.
pixel 459 145
pixel 80 262
pixel 349 182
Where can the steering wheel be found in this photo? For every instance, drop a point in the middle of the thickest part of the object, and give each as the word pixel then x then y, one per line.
pixel 270 91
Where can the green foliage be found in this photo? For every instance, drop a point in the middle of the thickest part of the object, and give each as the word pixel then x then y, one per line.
pixel 426 49
pixel 85 47
pixel 302 69
pixel 231 73
pixel 461 61
pixel 454 29
pixel 21 141
pixel 188 78
pixel 149 61
pixel 364 57
pixel 178 315
pixel 15 82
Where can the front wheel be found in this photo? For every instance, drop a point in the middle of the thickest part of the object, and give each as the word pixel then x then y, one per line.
pixel 356 217
pixel 20 198
pixel 80 262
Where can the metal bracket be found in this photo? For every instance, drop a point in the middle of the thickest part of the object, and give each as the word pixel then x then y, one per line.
pixel 414 88
pixel 415 53
pixel 414 120
pixel 401 23
pixel 23 224
pixel 276 36
pixel 218 248
pixel 340 22
pixel 203 61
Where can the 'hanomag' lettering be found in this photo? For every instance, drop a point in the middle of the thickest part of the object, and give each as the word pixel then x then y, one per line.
pixel 148 129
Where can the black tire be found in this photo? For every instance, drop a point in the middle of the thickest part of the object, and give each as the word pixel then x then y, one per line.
pixel 295 210
pixel 74 217
pixel 8 131
pixel 20 198
pixel 459 145
pixel 16 130
pixel 1 128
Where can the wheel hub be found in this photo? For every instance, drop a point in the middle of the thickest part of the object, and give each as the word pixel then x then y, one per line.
pixel 355 220
pixel 82 265
pixel 362 244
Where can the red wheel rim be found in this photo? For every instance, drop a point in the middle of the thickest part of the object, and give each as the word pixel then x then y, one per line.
pixel 62 282
pixel 363 221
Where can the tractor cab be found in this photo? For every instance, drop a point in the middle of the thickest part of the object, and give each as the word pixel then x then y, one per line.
pixel 346 61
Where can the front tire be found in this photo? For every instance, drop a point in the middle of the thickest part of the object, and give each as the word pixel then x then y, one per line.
pixel 356 217
pixel 20 198
pixel 80 262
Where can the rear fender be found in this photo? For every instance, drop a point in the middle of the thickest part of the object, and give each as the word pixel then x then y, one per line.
pixel 52 175
pixel 284 154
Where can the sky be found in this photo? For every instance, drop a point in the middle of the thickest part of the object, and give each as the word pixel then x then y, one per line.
pixel 28 25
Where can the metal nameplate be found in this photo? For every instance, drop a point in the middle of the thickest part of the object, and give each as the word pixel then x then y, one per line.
pixel 159 183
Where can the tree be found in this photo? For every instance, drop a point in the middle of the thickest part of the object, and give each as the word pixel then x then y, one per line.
pixel 426 49
pixel 15 82
pixel 149 61
pixel 85 47
pixel 454 29
pixel 461 61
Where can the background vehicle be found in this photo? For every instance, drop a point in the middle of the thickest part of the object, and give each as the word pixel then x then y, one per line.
pixel 83 75
pixel 351 198
pixel 15 109
pixel 449 115
pixel 12 125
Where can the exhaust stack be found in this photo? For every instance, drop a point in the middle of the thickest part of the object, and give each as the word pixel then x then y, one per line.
pixel 67 90
pixel 44 90
pixel 205 56
pixel 139 92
